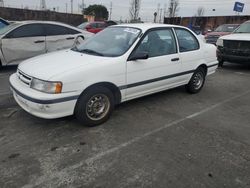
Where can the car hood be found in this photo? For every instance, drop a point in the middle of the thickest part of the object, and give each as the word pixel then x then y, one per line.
pixel 237 36
pixel 46 66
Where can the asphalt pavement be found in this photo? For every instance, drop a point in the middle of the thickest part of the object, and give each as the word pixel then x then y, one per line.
pixel 171 139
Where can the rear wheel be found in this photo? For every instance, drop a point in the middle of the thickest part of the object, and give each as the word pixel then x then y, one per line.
pixel 197 81
pixel 94 106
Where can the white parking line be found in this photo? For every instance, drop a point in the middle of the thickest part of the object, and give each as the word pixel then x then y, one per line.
pixel 7 73
pixel 235 72
pixel 100 155
pixel 5 93
pixel 4 75
pixel 64 173
pixel 242 73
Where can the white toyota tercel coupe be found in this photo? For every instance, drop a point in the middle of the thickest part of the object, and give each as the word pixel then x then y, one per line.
pixel 116 65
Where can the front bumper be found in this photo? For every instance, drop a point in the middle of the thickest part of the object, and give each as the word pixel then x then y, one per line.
pixel 47 106
pixel 222 56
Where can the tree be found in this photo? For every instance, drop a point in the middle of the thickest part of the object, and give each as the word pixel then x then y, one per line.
pixel 173 8
pixel 200 11
pixel 99 11
pixel 134 9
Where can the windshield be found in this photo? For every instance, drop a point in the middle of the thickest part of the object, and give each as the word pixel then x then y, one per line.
pixel 226 28
pixel 111 42
pixel 2 24
pixel 244 28
pixel 8 28
pixel 83 25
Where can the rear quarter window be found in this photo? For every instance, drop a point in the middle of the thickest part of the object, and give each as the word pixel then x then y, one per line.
pixel 187 41
pixel 52 30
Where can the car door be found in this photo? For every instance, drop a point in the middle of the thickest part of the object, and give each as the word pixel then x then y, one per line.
pixel 23 42
pixel 190 52
pixel 59 37
pixel 160 70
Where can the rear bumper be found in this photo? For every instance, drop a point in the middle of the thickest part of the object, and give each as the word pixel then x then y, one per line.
pixel 47 106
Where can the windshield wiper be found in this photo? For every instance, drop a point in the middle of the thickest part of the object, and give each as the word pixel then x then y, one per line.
pixel 89 51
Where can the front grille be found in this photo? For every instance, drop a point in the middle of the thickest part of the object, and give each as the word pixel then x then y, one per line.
pixel 237 48
pixel 24 77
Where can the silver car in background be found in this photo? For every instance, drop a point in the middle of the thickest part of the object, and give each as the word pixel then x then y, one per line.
pixel 23 40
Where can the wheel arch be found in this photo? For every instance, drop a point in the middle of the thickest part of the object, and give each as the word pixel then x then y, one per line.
pixel 203 66
pixel 112 87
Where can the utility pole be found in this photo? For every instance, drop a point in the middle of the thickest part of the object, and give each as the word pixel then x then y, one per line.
pixel 110 10
pixel 83 7
pixel 1 3
pixel 42 5
pixel 155 16
pixel 66 7
pixel 158 9
pixel 160 15
pixel 71 1
pixel 165 10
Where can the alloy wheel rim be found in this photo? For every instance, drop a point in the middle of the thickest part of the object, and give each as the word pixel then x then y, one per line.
pixel 198 80
pixel 97 107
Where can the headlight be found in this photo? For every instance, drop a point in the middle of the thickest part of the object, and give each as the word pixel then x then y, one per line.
pixel 46 87
pixel 219 42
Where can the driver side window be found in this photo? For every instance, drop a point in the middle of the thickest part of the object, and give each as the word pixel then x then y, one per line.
pixel 158 43
pixel 29 30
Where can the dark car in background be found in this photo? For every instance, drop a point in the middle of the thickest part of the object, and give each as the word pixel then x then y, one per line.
pixel 95 27
pixel 3 23
pixel 220 31
pixel 235 48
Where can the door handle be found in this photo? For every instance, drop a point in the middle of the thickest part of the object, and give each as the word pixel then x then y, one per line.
pixel 39 41
pixel 70 38
pixel 175 59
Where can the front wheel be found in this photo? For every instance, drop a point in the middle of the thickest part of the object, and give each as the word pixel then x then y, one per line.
pixel 197 81
pixel 95 106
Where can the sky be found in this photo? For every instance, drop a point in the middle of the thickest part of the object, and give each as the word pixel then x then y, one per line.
pixel 120 8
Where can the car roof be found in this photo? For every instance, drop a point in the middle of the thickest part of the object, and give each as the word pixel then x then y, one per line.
pixel 44 22
pixel 147 26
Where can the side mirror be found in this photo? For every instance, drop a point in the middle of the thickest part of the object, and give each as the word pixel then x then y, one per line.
pixel 78 41
pixel 138 56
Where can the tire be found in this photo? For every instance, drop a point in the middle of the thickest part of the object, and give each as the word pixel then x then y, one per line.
pixel 95 106
pixel 197 81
